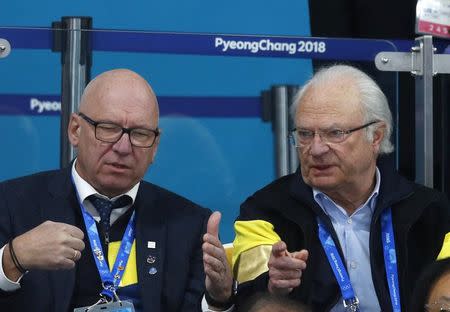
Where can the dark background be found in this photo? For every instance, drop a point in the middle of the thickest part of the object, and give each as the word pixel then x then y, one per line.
pixel 384 19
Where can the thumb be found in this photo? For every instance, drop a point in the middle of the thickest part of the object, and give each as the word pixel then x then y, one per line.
pixel 213 224
pixel 279 249
pixel 301 255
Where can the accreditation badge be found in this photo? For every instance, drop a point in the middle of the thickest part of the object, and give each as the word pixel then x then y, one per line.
pixel 117 306
pixel 433 17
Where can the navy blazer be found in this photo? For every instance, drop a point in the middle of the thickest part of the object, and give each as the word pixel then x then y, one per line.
pixel 173 222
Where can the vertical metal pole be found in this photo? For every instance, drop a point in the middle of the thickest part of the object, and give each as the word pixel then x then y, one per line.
pixel 293 153
pixel 281 113
pixel 424 112
pixel 75 75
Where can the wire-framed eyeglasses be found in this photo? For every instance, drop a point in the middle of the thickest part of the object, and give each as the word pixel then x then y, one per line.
pixel 110 132
pixel 437 306
pixel 301 137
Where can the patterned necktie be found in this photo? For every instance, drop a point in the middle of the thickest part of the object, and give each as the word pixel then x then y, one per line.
pixel 104 208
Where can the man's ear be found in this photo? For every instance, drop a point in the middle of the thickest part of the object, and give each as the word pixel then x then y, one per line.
pixel 378 136
pixel 154 148
pixel 73 130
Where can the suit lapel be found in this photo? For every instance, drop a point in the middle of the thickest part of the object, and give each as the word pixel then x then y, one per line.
pixel 61 206
pixel 150 246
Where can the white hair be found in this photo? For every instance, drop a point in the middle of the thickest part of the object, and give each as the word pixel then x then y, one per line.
pixel 373 102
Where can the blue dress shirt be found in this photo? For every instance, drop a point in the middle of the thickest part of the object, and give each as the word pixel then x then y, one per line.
pixel 353 233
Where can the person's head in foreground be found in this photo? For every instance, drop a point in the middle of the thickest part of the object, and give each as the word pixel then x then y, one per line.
pixel 432 292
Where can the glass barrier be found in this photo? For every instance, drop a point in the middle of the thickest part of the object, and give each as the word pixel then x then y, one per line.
pixel 215 148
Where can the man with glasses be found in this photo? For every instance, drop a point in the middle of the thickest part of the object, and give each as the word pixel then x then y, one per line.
pixel 96 233
pixel 345 232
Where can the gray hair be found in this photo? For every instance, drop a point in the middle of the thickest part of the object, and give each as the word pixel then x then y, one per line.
pixel 373 102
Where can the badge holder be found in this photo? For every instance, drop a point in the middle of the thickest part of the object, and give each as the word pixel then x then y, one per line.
pixel 104 305
pixel 117 306
pixel 351 305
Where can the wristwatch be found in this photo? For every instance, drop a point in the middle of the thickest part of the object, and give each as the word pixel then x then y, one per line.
pixel 223 305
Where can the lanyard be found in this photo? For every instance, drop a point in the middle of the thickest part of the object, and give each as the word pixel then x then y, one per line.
pixel 390 258
pixel 351 302
pixel 339 270
pixel 110 279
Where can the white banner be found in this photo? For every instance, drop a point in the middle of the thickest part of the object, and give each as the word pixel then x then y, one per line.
pixel 433 17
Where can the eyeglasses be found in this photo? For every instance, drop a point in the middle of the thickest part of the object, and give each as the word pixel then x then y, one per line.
pixel 437 306
pixel 302 137
pixel 111 133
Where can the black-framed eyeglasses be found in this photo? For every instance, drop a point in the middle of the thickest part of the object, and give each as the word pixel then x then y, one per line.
pixel 110 132
pixel 301 137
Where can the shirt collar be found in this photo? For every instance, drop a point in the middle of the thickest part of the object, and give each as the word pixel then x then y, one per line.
pixel 370 202
pixel 85 190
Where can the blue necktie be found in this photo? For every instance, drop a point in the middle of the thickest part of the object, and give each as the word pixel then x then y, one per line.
pixel 104 208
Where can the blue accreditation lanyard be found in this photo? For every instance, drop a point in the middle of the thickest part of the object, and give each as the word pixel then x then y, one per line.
pixel 340 272
pixel 110 279
pixel 351 302
pixel 390 258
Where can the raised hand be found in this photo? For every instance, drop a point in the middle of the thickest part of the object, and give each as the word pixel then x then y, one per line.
pixel 219 279
pixel 49 246
pixel 285 269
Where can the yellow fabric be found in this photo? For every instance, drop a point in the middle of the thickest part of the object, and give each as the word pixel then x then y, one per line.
pixel 229 253
pixel 445 251
pixel 252 263
pixel 130 275
pixel 252 247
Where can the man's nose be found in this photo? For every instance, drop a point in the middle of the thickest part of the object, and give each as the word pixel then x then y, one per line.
pixel 123 146
pixel 318 146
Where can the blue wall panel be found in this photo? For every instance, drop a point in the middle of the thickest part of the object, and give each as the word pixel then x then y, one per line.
pixel 215 160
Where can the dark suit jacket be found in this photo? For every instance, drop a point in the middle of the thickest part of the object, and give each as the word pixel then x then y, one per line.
pixel 174 223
